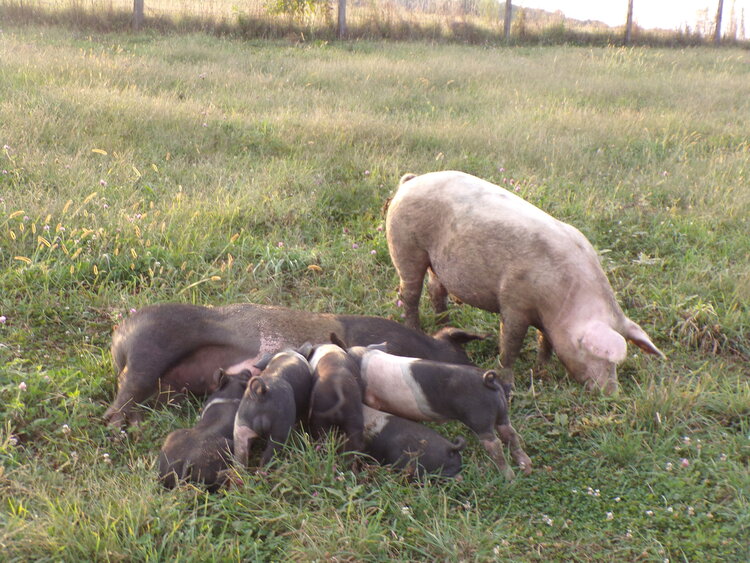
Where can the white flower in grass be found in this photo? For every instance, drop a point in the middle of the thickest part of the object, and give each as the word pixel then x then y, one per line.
pixel 405 510
pixel 65 429
pixel 547 520
pixel 22 386
pixel 668 467
pixel 610 516
pixel 649 513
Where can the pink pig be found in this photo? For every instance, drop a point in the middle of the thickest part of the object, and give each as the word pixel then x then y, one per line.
pixel 494 250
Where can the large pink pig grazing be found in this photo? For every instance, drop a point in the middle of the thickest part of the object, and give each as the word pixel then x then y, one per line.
pixel 496 251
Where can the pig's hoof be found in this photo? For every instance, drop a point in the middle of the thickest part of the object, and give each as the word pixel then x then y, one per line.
pixel 524 462
pixel 114 419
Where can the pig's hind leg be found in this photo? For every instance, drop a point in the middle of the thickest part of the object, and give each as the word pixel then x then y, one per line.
pixel 494 447
pixel 513 328
pixel 438 296
pixel 509 436
pixel 411 265
pixel 131 391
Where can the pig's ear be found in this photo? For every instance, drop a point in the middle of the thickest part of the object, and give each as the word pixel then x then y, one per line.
pixel 219 378
pixel 383 347
pixel 638 336
pixel 338 341
pixel 257 387
pixel 263 362
pixel 603 342
pixel 457 336
pixel 459 444
pixel 244 376
pixel 306 350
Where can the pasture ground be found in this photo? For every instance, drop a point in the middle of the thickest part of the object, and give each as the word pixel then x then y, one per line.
pixel 137 169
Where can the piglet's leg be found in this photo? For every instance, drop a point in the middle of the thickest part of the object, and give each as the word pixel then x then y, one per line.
pixel 509 436
pixel 494 447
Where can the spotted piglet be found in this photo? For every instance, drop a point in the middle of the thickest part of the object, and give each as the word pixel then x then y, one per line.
pixel 424 390
pixel 272 403
pixel 336 398
pixel 410 446
pixel 202 454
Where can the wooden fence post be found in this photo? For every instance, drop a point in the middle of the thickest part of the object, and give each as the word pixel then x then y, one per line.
pixel 341 32
pixel 137 14
pixel 508 17
pixel 629 23
pixel 717 32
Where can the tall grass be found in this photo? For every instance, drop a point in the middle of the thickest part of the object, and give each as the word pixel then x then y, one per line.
pixel 140 168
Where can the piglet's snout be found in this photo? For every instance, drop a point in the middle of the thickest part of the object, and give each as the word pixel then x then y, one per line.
pixel 243 441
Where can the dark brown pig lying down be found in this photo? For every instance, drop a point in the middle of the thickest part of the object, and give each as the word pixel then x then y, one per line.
pixel 410 446
pixel 173 348
pixel 202 454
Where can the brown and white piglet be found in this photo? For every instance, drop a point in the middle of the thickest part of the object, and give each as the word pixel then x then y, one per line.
pixel 202 454
pixel 423 390
pixel 410 446
pixel 272 403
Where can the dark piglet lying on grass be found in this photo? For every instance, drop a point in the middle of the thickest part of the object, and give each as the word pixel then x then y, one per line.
pixel 174 348
pixel 336 399
pixel 202 454
pixel 496 251
pixel 272 403
pixel 410 446
pixel 434 391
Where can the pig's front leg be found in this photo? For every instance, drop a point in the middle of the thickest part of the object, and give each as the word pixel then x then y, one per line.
pixel 270 451
pixel 509 436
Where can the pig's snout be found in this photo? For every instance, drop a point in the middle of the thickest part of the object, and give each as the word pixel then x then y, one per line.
pixel 243 442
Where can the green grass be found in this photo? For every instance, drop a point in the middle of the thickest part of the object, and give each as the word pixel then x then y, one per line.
pixel 137 169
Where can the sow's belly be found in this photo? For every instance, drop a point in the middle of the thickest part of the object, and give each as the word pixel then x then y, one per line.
pixel 469 279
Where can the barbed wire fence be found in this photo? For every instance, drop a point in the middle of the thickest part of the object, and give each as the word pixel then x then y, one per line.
pixel 489 19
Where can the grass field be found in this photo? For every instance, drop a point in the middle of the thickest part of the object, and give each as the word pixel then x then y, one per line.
pixel 137 169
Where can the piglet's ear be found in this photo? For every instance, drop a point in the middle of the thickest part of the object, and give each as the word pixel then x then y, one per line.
pixel 305 350
pixel 338 341
pixel 263 362
pixel 219 378
pixel 459 444
pixel 603 342
pixel 638 336
pixel 257 387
